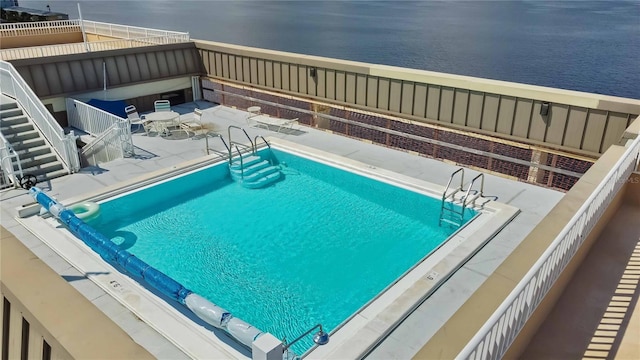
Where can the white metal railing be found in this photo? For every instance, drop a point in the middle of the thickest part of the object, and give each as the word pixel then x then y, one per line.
pixel 114 143
pixel 13 85
pixel 89 119
pixel 77 48
pixel 497 334
pixel 129 32
pixel 8 176
pixel 39 27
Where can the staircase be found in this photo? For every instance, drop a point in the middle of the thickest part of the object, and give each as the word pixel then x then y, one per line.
pixel 36 156
pixel 253 172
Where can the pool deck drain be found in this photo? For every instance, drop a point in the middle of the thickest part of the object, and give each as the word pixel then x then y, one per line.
pixel 156 153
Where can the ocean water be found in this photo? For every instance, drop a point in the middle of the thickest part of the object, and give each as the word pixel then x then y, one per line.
pixel 578 45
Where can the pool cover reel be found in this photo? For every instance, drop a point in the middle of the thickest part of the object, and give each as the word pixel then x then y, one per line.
pixel 113 254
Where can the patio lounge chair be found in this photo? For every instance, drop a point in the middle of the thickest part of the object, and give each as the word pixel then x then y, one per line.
pixel 267 122
pixel 135 119
pixel 194 124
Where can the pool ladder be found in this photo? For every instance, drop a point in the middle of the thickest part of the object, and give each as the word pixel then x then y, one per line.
pixel 448 212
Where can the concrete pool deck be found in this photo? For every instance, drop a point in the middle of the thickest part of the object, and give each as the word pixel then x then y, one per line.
pixel 155 153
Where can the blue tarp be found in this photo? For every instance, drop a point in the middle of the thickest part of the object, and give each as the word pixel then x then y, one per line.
pixel 115 107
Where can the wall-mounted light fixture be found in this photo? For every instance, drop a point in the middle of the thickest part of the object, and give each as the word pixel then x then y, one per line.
pixel 544 109
pixel 312 72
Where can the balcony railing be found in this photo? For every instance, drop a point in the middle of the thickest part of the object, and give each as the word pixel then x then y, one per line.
pixel 39 28
pixel 498 333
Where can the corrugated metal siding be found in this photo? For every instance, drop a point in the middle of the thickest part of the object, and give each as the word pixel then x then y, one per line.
pixel 70 74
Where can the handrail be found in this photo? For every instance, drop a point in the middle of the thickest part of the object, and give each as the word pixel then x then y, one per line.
pixel 206 140
pixel 231 142
pixel 110 150
pixel 479 194
pixel 444 194
pixel 495 337
pixel 64 145
pixel 241 162
pixel 255 141
pixel 10 153
pixel 126 31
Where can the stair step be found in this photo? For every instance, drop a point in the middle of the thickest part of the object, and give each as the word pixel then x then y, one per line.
pixel 246 161
pixel 263 181
pixel 21 137
pixel 33 151
pixel 10 112
pixel 450 222
pixel 16 128
pixel 11 104
pixel 14 120
pixel 36 160
pixel 250 169
pixel 261 173
pixel 44 171
pixel 28 144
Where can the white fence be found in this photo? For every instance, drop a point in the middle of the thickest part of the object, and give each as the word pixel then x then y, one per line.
pixel 113 133
pixel 114 143
pixel 497 334
pixel 13 85
pixel 131 36
pixel 8 176
pixel 129 32
pixel 77 48
pixel 39 28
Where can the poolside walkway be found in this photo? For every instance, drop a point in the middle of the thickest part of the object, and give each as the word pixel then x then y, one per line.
pixel 155 153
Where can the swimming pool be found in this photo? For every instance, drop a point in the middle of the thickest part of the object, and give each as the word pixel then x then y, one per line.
pixel 313 248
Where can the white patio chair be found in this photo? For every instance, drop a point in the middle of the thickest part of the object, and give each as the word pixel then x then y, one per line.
pixel 135 119
pixel 193 124
pixel 162 105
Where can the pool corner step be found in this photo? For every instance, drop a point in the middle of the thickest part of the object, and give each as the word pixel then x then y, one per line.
pixel 254 173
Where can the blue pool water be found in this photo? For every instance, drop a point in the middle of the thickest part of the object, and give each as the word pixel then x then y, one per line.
pixel 313 248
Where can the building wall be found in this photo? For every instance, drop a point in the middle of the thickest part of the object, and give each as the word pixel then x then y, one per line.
pixel 578 122
pixel 43 317
pixel 10 42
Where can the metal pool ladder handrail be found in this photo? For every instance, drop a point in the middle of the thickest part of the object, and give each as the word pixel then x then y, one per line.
pixel 255 141
pixel 446 195
pixel 206 140
pixel 232 143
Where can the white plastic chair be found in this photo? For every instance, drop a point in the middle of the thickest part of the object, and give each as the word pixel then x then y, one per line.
pixel 162 105
pixel 135 119
pixel 194 124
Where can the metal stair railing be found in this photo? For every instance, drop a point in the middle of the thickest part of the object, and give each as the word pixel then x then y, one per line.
pixel 16 87
pixel 446 195
pixel 9 175
pixel 232 143
pixel 206 140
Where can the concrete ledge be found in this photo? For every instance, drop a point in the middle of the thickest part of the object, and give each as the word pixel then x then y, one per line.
pixel 67 319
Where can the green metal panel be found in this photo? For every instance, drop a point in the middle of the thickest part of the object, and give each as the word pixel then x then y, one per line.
pixel 269 73
pixel 406 105
pixel 461 103
pixel 312 82
pixel 505 114
pixel 340 85
pixel 331 84
pixel 261 72
pixel 490 112
pixel 277 75
pixel 228 64
pixel 575 127
pixel 253 70
pixel 350 95
pixel 445 113
pixel 293 77
pixel 239 68
pixel 132 65
pixel 383 93
pixel 322 82
pixel 474 115
pixel 246 69
pixel 303 74
pixel 420 100
pixel 395 95
pixel 616 124
pixel 433 102
pixel 523 117
pixel 594 131
pixel 361 89
pixel 538 127
pixel 285 76
pixel 556 121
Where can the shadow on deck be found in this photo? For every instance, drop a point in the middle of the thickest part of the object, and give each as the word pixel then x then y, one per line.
pixel 598 315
